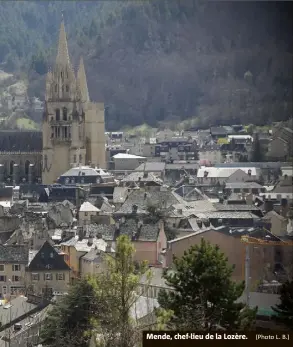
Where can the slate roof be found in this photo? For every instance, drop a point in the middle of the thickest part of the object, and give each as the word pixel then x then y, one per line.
pixel 243 185
pixel 6 192
pixel 231 207
pixel 47 258
pixel 142 200
pixel 120 194
pixel 140 177
pixel 227 215
pixel 21 141
pixel 13 254
pixel 147 232
pixel 152 166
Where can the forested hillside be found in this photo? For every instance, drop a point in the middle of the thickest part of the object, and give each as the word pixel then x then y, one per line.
pixel 152 61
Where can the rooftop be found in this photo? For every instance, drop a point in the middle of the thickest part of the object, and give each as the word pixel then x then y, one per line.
pixel 13 254
pixel 88 207
pixel 127 156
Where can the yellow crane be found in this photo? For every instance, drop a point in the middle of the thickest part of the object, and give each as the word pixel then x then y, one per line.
pixel 248 240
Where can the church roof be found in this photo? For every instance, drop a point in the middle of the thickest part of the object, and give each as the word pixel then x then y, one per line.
pixel 21 141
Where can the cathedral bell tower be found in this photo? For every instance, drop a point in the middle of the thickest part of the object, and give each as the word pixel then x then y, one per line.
pixel 64 117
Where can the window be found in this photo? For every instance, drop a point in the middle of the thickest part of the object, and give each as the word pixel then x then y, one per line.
pixel 2 278
pixel 15 278
pixel 26 167
pixel 4 290
pixel 67 88
pixel 2 267
pixel 15 290
pixel 48 277
pixel 80 158
pixel 56 88
pixel 64 113
pixel 85 213
pixel 74 158
pixel 43 255
pixel 15 267
pixel 57 112
pixel 35 276
pixel 51 255
pixel 60 277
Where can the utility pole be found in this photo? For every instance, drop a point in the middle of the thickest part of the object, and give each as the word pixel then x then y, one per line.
pixel 247 273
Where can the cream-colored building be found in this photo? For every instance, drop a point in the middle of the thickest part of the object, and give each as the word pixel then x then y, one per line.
pixel 13 260
pixel 86 211
pixel 73 126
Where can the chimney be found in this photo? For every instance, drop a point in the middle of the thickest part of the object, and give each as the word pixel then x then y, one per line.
pixel 80 233
pixel 134 209
pixel 90 241
pixel 108 248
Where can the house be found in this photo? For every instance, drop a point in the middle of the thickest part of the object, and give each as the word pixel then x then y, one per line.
pixel 47 271
pixel 155 167
pixel 85 213
pixel 138 201
pixel 276 223
pixel 212 155
pixel 125 161
pixel 229 241
pixel 88 238
pixel 13 260
pixel 93 262
pixel 214 175
pixel 176 148
pixel 244 187
pixel 229 218
pixel 148 237
pixel 145 180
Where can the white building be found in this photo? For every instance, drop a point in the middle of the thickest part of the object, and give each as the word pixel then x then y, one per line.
pixel 125 161
pixel 214 175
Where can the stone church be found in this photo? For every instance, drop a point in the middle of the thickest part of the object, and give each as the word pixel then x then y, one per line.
pixel 73 129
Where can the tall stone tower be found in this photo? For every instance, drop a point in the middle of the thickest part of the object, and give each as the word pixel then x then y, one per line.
pixel 73 127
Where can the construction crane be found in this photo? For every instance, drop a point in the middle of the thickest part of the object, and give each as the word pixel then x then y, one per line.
pixel 248 240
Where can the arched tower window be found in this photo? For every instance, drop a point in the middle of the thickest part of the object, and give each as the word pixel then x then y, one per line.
pixel 74 158
pixel 26 167
pixel 56 88
pixel 64 113
pixel 67 88
pixel 80 158
pixel 11 167
pixel 57 114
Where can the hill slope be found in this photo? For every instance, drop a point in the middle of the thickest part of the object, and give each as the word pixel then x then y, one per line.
pixel 219 62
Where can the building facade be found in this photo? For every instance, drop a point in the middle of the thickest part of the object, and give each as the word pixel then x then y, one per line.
pixel 73 126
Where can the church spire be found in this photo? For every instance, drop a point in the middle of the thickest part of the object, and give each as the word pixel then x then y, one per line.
pixel 62 54
pixel 81 77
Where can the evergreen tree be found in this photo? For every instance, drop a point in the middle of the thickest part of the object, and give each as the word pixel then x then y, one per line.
pixel 204 295
pixel 257 155
pixel 69 319
pixel 285 309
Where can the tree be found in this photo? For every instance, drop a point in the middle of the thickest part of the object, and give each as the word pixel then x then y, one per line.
pixel 70 318
pixel 117 288
pixel 203 295
pixel 257 154
pixel 284 310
